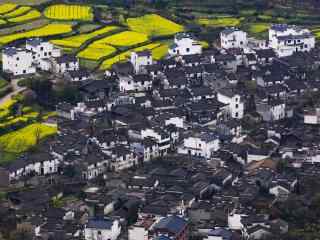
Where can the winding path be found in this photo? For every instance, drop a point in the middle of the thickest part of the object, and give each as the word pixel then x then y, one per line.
pixel 16 89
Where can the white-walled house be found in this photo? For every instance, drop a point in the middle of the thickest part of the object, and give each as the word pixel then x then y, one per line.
pixel 140 60
pixel 311 116
pixel 234 102
pixel 39 163
pixel 161 137
pixel 41 49
pixel 272 111
pixel 185 44
pixel 233 38
pixel 202 145
pixel 65 63
pixel 102 229
pixel 287 39
pixel 136 83
pixel 17 61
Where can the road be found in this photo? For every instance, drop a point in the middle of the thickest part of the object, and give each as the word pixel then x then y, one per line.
pixel 16 89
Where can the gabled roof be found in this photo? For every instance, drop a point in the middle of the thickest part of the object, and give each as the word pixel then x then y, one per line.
pixel 66 59
pixel 99 223
pixel 172 224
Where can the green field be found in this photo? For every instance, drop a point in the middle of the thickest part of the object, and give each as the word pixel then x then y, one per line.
pixel 154 25
pixel 219 22
pixel 69 12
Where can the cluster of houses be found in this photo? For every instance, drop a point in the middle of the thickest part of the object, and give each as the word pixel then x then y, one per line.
pixel 188 146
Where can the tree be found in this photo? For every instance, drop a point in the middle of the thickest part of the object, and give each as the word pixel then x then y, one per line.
pixel 37 134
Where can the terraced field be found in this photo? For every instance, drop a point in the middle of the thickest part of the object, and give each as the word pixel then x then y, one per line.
pixel 48 30
pixel 7 7
pixel 17 12
pixel 97 51
pixel 154 25
pixel 219 22
pixel 124 39
pixel 69 12
pixel 22 139
pixel 33 14
pixel 77 41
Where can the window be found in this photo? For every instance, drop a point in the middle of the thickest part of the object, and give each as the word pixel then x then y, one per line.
pixel 188 49
pixel 237 114
pixel 17 58
pixel 24 71
pixel 237 105
pixel 241 43
pixel 199 144
pixel 306 46
pixel 50 53
pixel 45 54
pixel 41 49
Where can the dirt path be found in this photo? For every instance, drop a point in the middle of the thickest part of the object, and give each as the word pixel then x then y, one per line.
pixel 16 89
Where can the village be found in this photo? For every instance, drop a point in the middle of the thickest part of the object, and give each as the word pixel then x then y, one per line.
pixel 204 144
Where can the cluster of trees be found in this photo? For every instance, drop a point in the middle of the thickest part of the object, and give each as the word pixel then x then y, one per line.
pixel 47 94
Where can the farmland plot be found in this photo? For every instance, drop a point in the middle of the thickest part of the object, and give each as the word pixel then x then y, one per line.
pixel 69 12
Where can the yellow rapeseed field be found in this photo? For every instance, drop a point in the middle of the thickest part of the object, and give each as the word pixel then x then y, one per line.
pixel 96 51
pixel 19 11
pixel 69 12
pixel 48 30
pixel 154 25
pixel 26 17
pixel 124 39
pixel 22 139
pixel 7 7
pixel 77 41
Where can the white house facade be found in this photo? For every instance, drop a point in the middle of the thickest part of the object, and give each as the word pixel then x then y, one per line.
pixel 17 61
pixel 202 146
pixel 140 60
pixel 233 100
pixel 288 39
pixel 102 229
pixel 185 44
pixel 233 38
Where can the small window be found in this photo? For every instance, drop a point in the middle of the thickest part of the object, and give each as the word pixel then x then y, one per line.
pixel 237 114
pixel 41 49
pixel 17 58
pixel 50 53
pixel 188 49
pixel 129 82
pixel 241 43
pixel 45 54
pixel 24 71
pixel 237 105
pixel 306 46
